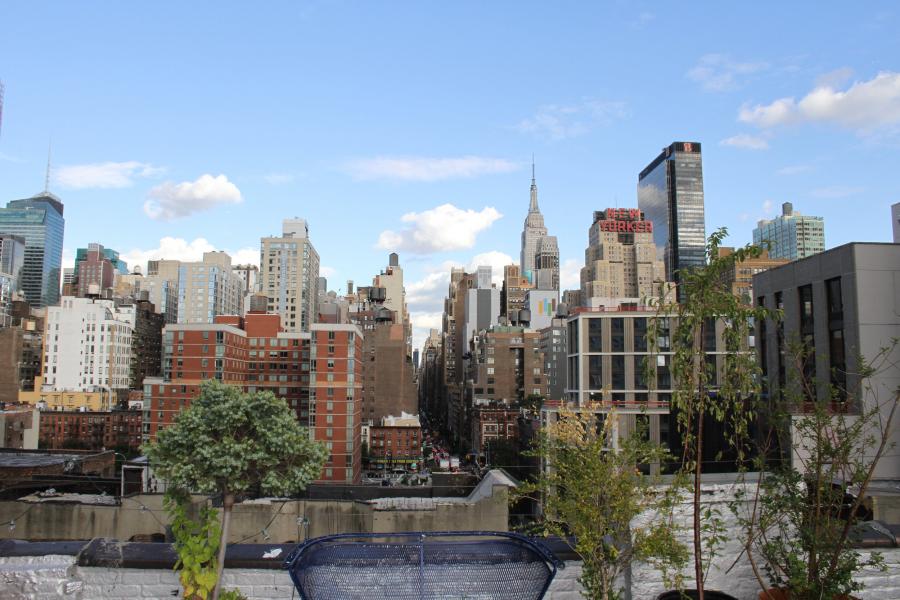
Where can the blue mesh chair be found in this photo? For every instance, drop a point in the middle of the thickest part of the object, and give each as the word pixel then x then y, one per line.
pixel 475 565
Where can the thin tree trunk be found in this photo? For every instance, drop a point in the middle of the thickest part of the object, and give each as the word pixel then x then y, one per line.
pixel 698 458
pixel 227 504
pixel 698 548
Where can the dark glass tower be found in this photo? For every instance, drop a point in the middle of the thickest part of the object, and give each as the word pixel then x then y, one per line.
pixel 39 220
pixel 670 192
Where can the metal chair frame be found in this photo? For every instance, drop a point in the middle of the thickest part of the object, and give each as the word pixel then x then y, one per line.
pixel 360 542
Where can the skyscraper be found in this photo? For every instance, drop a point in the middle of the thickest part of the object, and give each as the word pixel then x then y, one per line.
pixel 538 249
pixel 289 275
pixel 792 235
pixel 39 221
pixel 621 265
pixel 670 192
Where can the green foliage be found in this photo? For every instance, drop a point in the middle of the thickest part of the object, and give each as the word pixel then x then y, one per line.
pixel 196 543
pixel 230 442
pixel 593 493
pixel 725 393
pixel 232 595
pixel 803 512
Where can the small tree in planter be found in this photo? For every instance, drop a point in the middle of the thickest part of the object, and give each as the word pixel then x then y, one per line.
pixel 700 390
pixel 229 443
pixel 591 494
pixel 804 510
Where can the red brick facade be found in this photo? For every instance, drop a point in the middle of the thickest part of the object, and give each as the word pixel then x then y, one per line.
pixel 336 397
pixel 90 430
pixel 255 354
pixel 395 445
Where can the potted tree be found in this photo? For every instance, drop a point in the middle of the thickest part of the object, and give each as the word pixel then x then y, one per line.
pixel 802 516
pixel 703 391
pixel 591 492
pixel 229 443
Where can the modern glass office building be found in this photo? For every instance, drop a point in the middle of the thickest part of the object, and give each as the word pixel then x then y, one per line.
pixel 39 220
pixel 792 235
pixel 670 192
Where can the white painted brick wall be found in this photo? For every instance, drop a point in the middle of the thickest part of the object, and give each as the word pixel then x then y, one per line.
pixel 56 576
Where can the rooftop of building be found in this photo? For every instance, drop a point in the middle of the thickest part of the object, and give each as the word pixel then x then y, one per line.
pixel 22 459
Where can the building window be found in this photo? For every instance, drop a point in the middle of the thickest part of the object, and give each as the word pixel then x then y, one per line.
pixel 595 338
pixel 837 357
pixel 595 372
pixel 617 325
pixel 807 336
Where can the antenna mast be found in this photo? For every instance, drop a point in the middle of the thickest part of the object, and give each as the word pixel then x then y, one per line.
pixel 47 175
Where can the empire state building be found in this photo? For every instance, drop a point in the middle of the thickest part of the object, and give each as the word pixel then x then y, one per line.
pixel 539 258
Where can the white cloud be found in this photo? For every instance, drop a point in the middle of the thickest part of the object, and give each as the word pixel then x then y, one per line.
pixel 104 175
pixel 863 107
pixel 834 79
pixel 767 207
pixel 172 201
pixel 440 229
pixel 794 169
pixel 558 122
pixel 10 158
pixel 278 178
pixel 427 169
pixel 422 323
pixel 720 73
pixel 427 294
pixel 325 271
pixel 837 191
pixel 570 274
pixel 744 140
pixel 173 248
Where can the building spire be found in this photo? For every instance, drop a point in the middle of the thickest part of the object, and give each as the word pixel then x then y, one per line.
pixel 533 206
pixel 47 175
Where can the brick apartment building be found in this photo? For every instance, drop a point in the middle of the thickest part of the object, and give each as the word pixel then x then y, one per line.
pixel 507 366
pixel 396 442
pixel 335 398
pixel 255 354
pixel 491 423
pixel 91 430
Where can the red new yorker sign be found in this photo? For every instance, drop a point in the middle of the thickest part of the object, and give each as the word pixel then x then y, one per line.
pixel 625 220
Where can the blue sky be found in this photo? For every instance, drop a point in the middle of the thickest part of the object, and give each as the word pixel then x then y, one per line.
pixel 179 127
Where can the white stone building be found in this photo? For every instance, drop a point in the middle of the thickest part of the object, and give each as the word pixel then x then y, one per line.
pixel 87 346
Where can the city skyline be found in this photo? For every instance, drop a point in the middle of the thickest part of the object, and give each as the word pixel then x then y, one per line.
pixel 401 138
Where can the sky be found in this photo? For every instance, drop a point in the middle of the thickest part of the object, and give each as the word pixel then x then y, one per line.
pixel 181 127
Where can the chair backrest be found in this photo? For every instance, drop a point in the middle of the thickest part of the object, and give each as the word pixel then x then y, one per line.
pixel 422 566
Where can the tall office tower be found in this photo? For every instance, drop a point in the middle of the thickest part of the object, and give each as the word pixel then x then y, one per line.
pixel 546 264
pixel 39 221
pixel 12 255
pixel 620 263
pixel 289 275
pixel 481 307
pixel 792 235
pixel 670 192
pixel 532 233
pixel 12 259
